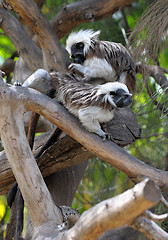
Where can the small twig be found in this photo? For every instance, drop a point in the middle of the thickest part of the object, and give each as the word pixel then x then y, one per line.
pixel 163 200
pixel 156 218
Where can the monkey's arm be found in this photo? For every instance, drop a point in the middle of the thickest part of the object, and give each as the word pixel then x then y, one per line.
pixel 90 118
pixel 81 69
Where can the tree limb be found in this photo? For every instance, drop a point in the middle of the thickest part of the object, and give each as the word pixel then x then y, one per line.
pixel 85 11
pixel 50 45
pixel 23 164
pixel 108 151
pixel 149 228
pixel 21 40
pixel 115 212
pixel 44 214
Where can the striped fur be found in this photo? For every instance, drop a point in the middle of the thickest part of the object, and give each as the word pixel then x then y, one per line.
pixel 117 63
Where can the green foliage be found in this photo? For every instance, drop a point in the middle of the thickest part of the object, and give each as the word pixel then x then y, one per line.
pixel 6 47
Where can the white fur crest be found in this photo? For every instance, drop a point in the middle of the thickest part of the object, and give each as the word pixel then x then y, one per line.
pixel 111 86
pixel 84 36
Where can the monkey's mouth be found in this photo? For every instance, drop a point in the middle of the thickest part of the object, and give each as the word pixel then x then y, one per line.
pixel 123 101
pixel 78 58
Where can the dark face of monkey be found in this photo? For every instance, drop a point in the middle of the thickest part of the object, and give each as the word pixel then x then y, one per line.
pixel 77 53
pixel 121 98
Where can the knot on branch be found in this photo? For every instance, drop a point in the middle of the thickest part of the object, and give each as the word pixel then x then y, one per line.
pixel 89 16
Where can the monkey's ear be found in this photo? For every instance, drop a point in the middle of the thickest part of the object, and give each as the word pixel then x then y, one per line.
pixel 96 34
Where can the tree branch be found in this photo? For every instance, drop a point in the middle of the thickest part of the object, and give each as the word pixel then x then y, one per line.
pixel 50 45
pixel 85 11
pixel 21 40
pixel 115 212
pixel 23 165
pixel 108 151
pixel 149 228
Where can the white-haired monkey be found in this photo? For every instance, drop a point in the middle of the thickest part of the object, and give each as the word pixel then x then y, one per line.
pixel 93 105
pixel 100 61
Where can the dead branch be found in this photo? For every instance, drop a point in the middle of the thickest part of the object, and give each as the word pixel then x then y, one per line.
pixel 108 151
pixel 149 228
pixel 29 178
pixel 115 212
pixel 67 152
pixel 50 45
pixel 64 153
pixel 23 164
pixel 21 40
pixel 85 11
pixel 156 218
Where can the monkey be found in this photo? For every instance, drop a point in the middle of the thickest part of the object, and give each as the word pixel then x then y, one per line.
pixel 100 61
pixel 93 105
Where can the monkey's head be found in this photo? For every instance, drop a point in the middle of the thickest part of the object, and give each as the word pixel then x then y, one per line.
pixel 116 93
pixel 78 44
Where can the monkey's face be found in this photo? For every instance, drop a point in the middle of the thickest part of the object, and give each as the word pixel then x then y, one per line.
pixel 121 98
pixel 77 53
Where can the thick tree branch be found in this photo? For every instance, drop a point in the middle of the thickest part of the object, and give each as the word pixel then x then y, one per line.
pixel 85 11
pixel 50 45
pixel 45 215
pixel 108 151
pixel 67 152
pixel 23 164
pixel 149 228
pixel 21 40
pixel 115 212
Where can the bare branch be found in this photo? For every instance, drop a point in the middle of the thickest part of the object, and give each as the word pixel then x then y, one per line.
pixel 115 212
pixel 156 218
pixel 21 40
pixel 108 151
pixel 85 11
pixel 149 228
pixel 23 164
pixel 50 45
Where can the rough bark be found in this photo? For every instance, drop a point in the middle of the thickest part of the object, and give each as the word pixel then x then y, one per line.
pixel 52 52
pixel 21 40
pixel 108 151
pixel 67 152
pixel 85 11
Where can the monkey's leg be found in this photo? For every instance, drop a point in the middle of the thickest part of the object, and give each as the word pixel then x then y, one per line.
pixel 91 123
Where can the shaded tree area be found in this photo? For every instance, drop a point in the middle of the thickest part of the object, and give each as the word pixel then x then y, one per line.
pixel 75 160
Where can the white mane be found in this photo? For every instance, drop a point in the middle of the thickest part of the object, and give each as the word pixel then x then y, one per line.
pixel 84 36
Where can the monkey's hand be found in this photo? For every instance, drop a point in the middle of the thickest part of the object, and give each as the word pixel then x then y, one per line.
pixel 79 68
pixel 106 136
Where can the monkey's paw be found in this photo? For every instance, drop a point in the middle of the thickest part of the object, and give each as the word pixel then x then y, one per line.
pixel 107 136
pixel 74 66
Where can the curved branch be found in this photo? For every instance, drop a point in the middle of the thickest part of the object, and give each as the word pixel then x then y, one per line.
pixel 149 228
pixel 23 164
pixel 115 212
pixel 107 150
pixel 85 11
pixel 50 45
pixel 21 40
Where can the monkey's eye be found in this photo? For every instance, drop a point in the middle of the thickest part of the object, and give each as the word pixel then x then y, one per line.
pixel 80 45
pixel 112 93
